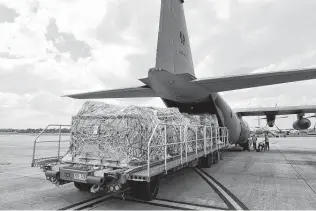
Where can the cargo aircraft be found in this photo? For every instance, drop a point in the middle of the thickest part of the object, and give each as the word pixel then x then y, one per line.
pixel 173 80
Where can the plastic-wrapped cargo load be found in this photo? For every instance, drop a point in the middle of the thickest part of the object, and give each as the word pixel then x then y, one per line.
pixel 103 133
pixel 209 120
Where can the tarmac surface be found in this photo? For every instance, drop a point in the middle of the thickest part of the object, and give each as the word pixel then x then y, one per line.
pixel 282 178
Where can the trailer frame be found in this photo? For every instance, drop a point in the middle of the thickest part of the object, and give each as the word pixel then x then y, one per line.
pixel 113 178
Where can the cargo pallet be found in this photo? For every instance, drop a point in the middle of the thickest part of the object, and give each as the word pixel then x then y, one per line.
pixel 142 180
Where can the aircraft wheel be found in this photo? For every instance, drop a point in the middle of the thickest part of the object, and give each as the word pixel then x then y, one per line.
pixel 146 191
pixel 245 146
pixel 82 186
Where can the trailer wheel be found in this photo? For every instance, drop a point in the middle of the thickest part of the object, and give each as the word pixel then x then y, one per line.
pixel 221 156
pixel 206 162
pixel 82 186
pixel 146 191
pixel 215 158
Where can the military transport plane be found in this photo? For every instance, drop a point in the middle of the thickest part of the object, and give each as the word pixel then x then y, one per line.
pixel 173 80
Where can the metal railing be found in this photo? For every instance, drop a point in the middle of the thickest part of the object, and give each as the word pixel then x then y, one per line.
pixel 207 139
pixel 221 133
pixel 41 134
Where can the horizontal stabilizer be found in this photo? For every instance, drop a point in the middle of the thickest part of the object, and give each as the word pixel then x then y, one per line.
pixel 280 110
pixel 143 91
pixel 228 83
pixel 144 80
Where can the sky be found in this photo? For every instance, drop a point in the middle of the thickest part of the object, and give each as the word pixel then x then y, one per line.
pixel 52 48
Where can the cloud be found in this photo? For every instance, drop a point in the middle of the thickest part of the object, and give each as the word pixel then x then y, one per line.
pixel 7 55
pixel 7 14
pixel 222 9
pixel 256 35
pixel 121 26
pixel 66 42
pixel 52 48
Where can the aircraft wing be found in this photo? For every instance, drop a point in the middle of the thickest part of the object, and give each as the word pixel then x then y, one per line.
pixel 276 110
pixel 228 83
pixel 143 91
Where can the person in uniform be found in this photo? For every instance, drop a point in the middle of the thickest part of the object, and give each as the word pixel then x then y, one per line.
pixel 254 141
pixel 266 140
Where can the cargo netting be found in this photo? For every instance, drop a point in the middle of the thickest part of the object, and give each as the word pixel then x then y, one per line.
pixel 102 133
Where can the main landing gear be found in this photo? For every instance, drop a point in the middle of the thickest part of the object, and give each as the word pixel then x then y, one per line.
pixel 245 146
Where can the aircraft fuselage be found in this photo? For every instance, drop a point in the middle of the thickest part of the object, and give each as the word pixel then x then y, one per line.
pixel 177 91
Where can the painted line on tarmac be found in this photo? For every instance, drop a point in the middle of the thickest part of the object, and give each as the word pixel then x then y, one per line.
pixel 243 206
pixel 95 202
pixel 90 203
pixel 219 193
pixel 73 206
pixel 193 204
pixel 229 198
pixel 155 202
pixel 171 204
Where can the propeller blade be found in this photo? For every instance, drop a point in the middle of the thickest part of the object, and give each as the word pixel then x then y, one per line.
pixel 310 116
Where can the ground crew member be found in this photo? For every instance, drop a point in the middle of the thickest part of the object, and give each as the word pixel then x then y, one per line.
pixel 254 141
pixel 266 140
pixel 248 144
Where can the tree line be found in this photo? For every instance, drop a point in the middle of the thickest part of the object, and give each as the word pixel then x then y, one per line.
pixel 33 130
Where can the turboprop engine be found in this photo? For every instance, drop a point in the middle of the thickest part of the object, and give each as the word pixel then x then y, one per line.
pixel 270 122
pixel 301 124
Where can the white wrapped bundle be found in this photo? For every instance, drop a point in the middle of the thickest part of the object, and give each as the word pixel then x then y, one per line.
pixel 214 118
pixel 192 127
pixel 107 132
pixel 102 132
pixel 209 120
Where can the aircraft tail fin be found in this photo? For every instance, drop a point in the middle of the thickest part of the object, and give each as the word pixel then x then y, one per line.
pixel 173 48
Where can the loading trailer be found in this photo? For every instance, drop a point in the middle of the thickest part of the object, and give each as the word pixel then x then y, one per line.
pixel 142 180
